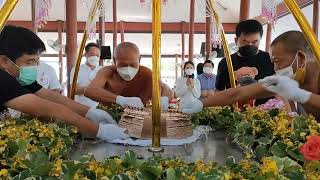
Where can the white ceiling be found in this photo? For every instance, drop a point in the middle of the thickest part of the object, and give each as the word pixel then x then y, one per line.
pixel 133 11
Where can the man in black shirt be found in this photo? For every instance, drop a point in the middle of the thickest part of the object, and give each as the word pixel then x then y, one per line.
pixel 19 53
pixel 248 36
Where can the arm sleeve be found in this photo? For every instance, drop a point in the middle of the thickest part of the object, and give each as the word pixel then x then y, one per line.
pixel 181 88
pixel 196 90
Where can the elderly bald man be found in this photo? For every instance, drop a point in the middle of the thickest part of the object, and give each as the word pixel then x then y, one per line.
pixel 126 83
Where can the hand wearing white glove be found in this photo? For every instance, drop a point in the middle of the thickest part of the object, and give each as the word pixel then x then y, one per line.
pixel 164 101
pixel 110 132
pixel 192 107
pixel 99 116
pixel 286 87
pixel 134 102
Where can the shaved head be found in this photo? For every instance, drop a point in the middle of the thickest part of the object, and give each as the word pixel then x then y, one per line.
pixel 126 54
pixel 124 48
pixel 293 41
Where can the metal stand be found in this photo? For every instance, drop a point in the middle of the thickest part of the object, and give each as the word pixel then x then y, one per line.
pixel 155 149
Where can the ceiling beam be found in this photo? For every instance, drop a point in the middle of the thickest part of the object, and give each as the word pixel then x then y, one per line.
pixel 130 27
pixel 282 10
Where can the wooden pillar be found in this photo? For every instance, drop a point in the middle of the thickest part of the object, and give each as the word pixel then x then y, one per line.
pixel 316 17
pixel 268 37
pixel 71 36
pixel 191 29
pixel 182 45
pixel 122 31
pixel 102 36
pixel 60 26
pixel 244 10
pixel 115 31
pixel 33 16
pixel 208 34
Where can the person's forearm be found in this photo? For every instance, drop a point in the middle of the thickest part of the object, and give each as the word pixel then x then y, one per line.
pixel 204 93
pixel 61 112
pixel 100 95
pixel 80 90
pixel 233 95
pixel 57 98
pixel 314 101
pixel 33 105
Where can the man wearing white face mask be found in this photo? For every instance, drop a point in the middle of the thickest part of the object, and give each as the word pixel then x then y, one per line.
pixel 87 72
pixel 297 79
pixel 207 80
pixel 126 83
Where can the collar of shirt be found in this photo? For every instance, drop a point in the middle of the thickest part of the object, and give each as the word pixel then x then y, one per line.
pixel 206 76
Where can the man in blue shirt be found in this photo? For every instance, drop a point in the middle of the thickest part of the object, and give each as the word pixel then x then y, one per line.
pixel 207 80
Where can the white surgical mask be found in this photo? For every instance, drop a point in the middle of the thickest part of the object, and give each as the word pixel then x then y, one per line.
pixel 288 71
pixel 127 73
pixel 189 72
pixel 207 70
pixel 93 60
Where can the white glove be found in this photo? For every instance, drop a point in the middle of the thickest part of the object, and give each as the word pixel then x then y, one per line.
pixel 99 116
pixel 192 107
pixel 134 102
pixel 164 101
pixel 286 87
pixel 110 132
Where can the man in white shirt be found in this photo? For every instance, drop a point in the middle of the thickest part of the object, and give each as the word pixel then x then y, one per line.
pixel 47 78
pixel 87 72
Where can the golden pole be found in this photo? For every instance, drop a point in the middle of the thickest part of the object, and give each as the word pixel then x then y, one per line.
pixel 77 67
pixel 156 47
pixel 225 47
pixel 6 11
pixel 305 27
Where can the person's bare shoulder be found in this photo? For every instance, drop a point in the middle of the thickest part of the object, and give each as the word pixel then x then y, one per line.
pixel 145 69
pixel 106 72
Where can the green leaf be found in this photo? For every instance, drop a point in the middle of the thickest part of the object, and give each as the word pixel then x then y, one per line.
pixel 86 158
pixel 63 132
pixel 70 168
pixel 171 174
pixel 261 151
pixel 266 139
pixel 121 177
pixel 273 112
pixel 294 153
pixel 295 175
pixel 38 163
pixel 130 159
pixel 22 146
pixel 300 123
pixel 279 149
pixel 23 175
pixel 246 141
pixel 244 128
pixel 44 141
pixel 42 169
pixel 154 170
pixel 12 148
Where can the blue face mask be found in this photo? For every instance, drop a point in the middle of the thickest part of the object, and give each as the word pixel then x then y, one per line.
pixel 27 75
